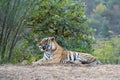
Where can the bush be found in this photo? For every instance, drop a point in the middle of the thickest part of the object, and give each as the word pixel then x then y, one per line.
pixel 63 19
pixel 23 51
pixel 108 50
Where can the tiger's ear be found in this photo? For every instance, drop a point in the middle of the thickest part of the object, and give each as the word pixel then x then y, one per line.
pixel 52 38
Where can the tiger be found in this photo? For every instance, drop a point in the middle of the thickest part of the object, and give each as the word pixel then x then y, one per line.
pixel 54 53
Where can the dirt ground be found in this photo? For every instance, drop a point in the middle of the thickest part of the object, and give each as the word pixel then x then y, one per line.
pixel 60 72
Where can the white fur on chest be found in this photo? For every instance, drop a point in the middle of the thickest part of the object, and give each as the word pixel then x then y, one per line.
pixel 48 55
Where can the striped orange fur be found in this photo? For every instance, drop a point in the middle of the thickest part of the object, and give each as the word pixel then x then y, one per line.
pixel 54 53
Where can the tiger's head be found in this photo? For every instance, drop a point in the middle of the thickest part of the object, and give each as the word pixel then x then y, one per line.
pixel 47 44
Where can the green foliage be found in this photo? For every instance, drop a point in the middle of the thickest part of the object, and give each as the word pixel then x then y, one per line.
pixel 23 51
pixel 100 8
pixel 98 23
pixel 12 17
pixel 108 50
pixel 63 19
pixel 111 3
pixel 104 17
pixel 58 17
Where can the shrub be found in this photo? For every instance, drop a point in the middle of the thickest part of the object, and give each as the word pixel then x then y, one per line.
pixel 63 19
pixel 108 50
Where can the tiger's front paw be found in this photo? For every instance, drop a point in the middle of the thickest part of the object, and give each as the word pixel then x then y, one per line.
pixel 36 63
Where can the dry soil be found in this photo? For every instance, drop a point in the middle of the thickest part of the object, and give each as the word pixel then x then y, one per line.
pixel 60 72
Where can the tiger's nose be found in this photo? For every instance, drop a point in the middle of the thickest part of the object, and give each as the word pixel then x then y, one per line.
pixel 40 47
pixel 43 47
